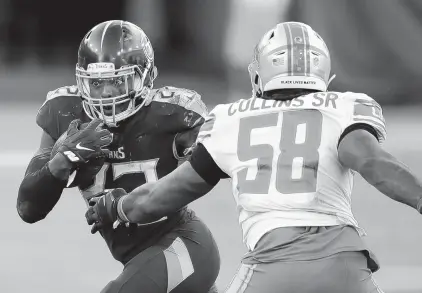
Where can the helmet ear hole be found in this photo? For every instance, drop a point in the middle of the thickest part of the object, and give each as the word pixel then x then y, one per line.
pixel 256 80
pixel 257 85
pixel 271 36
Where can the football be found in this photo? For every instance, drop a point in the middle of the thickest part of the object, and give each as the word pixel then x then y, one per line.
pixel 85 173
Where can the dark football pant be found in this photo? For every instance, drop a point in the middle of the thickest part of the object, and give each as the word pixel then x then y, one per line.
pixel 344 272
pixel 185 260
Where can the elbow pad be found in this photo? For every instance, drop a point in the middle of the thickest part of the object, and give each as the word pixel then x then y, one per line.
pixel 38 194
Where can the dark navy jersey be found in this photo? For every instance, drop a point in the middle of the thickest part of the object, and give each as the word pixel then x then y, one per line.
pixel 142 151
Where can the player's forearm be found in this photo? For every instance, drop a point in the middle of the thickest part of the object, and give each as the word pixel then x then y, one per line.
pixel 137 209
pixel 393 179
pixel 155 200
pixel 141 208
pixel 40 190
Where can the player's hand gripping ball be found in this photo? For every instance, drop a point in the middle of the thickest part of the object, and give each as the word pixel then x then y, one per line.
pixel 85 171
pixel 102 210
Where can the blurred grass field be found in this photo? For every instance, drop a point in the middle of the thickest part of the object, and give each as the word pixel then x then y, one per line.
pixel 60 255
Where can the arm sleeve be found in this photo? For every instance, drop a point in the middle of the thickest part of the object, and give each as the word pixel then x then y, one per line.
pixel 208 157
pixel 204 165
pixel 356 126
pixel 39 191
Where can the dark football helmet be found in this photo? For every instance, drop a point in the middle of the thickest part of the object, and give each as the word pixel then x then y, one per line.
pixel 115 70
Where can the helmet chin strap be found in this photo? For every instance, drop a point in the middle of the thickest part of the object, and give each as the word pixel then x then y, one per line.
pixel 131 94
pixel 331 79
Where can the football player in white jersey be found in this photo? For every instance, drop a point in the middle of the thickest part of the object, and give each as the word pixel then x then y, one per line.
pixel 291 151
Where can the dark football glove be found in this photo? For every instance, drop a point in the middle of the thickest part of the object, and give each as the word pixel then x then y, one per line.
pixel 81 145
pixel 103 210
pixel 184 142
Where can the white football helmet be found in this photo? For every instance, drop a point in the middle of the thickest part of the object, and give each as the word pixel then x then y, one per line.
pixel 290 56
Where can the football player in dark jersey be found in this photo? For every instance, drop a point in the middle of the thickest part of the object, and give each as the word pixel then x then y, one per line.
pixel 138 134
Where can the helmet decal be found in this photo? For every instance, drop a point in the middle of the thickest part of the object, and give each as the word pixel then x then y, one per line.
pixel 100 66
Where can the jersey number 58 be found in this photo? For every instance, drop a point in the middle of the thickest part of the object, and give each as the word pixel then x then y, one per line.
pixel 297 163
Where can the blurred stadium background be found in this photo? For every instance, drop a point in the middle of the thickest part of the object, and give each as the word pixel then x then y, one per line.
pixel 203 45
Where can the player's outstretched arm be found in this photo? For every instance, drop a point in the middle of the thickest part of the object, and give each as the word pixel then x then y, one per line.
pixel 43 183
pixel 149 202
pixel 188 182
pixel 155 200
pixel 359 150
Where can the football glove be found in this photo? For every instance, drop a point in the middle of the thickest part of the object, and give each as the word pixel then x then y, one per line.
pixel 81 145
pixel 184 142
pixel 103 210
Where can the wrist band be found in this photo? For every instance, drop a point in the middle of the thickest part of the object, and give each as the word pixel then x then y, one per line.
pixel 120 213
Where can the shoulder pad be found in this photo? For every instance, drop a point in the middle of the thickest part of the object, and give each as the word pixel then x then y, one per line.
pixel 188 99
pixel 63 91
pixel 364 105
pixel 358 97
pixel 60 107
pixel 367 110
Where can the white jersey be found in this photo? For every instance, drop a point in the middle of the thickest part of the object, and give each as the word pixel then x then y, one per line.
pixel 283 161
